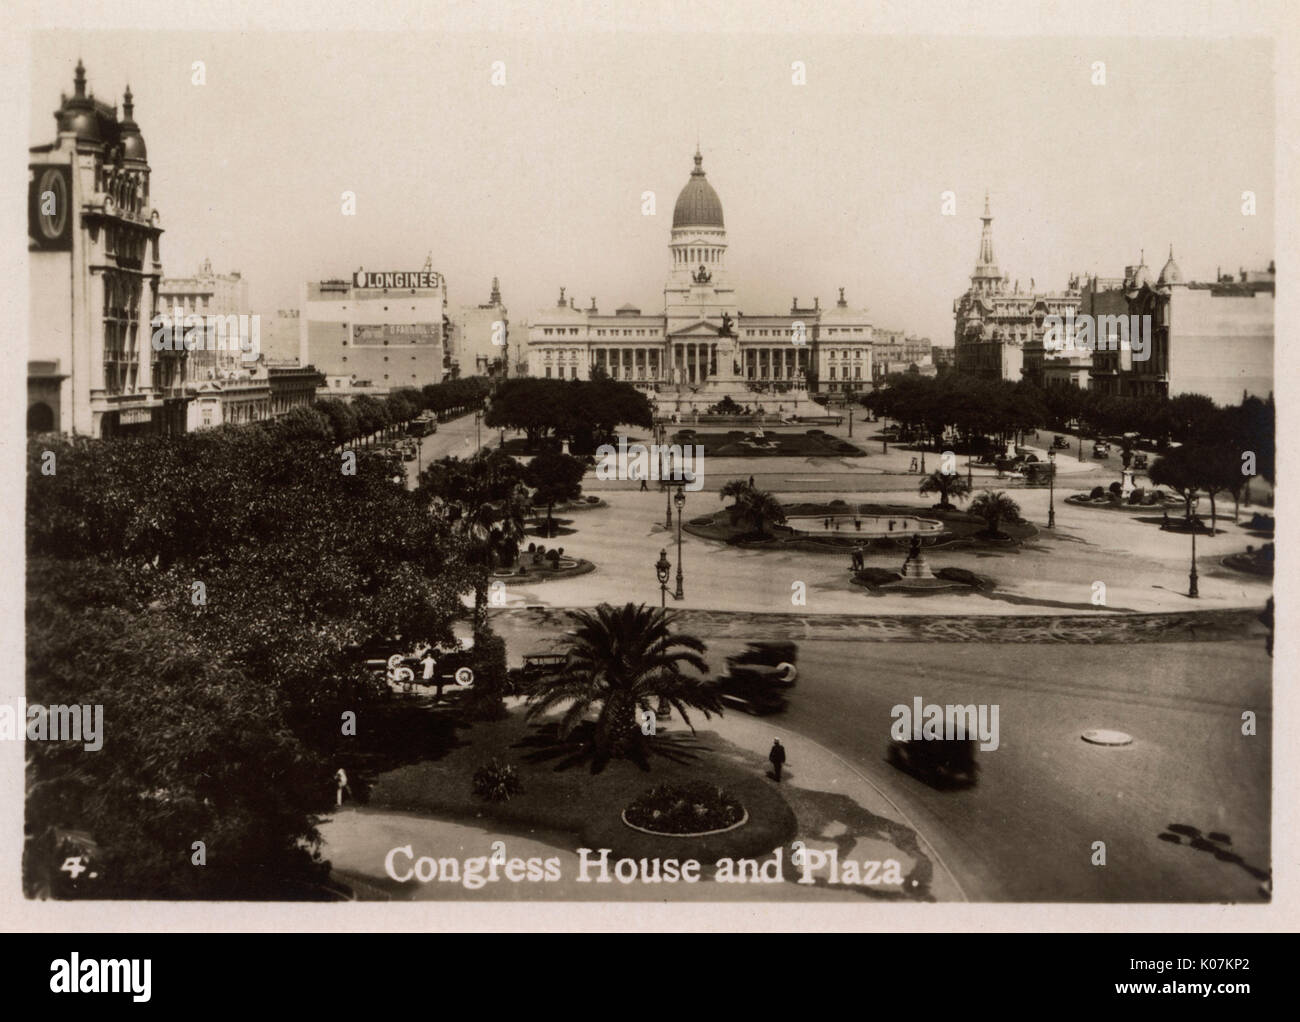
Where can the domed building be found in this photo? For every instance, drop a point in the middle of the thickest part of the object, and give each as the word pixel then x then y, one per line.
pixel 701 348
pixel 92 239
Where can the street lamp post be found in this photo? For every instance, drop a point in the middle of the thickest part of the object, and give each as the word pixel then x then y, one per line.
pixel 665 476
pixel 850 420
pixel 1193 590
pixel 662 568
pixel 478 432
pixel 1051 490
pixel 679 498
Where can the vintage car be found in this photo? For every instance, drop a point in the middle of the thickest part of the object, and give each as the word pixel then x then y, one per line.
pixel 1100 449
pixel 1059 442
pixel 941 763
pixel 757 677
pixel 1140 461
pixel 453 665
pixel 536 665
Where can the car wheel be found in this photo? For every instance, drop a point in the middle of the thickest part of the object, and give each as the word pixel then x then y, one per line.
pixel 465 676
pixel 787 672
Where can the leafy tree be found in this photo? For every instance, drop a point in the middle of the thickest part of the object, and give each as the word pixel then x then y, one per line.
pixel 342 419
pixel 617 659
pixel 1177 469
pixel 947 485
pixel 995 508
pixel 555 477
pixel 222 698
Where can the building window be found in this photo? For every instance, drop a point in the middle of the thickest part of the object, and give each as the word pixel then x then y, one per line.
pixel 548 372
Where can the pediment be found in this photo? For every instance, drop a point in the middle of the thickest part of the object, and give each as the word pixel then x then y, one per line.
pixel 699 329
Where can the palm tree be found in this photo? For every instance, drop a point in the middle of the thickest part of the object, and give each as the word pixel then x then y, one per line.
pixel 946 484
pixel 620 658
pixel 758 507
pixel 995 508
pixel 736 488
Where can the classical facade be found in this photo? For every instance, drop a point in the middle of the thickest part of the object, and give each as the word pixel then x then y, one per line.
pixel 94 273
pixel 701 347
pixel 999 328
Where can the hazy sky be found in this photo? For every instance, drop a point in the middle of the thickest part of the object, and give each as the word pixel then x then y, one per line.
pixel 833 183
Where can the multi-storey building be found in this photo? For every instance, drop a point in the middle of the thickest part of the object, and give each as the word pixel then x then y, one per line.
pixel 480 337
pixel 1213 338
pixel 386 330
pixel 999 328
pixel 206 294
pixel 94 271
pixel 674 353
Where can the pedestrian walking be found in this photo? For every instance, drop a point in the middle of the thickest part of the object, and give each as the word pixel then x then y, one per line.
pixel 341 779
pixel 1164 525
pixel 777 758
pixel 428 664
pixel 751 482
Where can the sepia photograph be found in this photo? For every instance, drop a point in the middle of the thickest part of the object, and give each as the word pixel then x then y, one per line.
pixel 786 464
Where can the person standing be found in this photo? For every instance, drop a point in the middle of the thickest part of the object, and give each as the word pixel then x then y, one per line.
pixel 341 780
pixel 777 758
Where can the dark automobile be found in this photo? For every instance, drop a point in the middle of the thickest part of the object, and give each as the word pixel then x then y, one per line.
pixel 1101 449
pixel 1060 442
pixel 756 678
pixel 941 763
pixel 1039 473
pixel 1140 461
pixel 536 665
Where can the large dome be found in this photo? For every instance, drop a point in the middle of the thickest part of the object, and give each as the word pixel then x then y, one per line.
pixel 698 204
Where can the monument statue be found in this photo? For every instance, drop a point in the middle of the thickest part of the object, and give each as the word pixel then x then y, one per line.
pixel 727 323
pixel 702 276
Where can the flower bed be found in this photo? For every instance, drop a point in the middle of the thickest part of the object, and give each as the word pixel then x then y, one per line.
pixel 685 810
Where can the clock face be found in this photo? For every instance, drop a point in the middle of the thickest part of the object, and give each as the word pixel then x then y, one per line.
pixel 53 219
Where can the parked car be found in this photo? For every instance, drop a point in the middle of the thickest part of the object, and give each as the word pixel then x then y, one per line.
pixel 1101 449
pixel 941 763
pixel 1140 461
pixel 536 665
pixel 1059 442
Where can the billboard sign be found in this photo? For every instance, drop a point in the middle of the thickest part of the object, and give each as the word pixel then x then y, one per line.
pixel 380 334
pixel 420 279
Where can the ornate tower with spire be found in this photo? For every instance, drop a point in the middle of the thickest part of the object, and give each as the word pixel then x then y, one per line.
pixel 986 277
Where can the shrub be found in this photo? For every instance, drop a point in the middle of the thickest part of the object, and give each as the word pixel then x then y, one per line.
pixel 876 576
pixel 497 781
pixel 685 808
pixel 1136 496
pixel 1116 489
pixel 553 556
pixel 484 701
pixel 838 503
pixel 532 548
pixel 1097 493
pixel 958 575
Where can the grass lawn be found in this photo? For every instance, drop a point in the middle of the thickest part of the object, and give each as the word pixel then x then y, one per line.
pixel 561 794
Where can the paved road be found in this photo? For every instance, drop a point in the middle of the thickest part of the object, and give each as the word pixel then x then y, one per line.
pixel 1026 831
